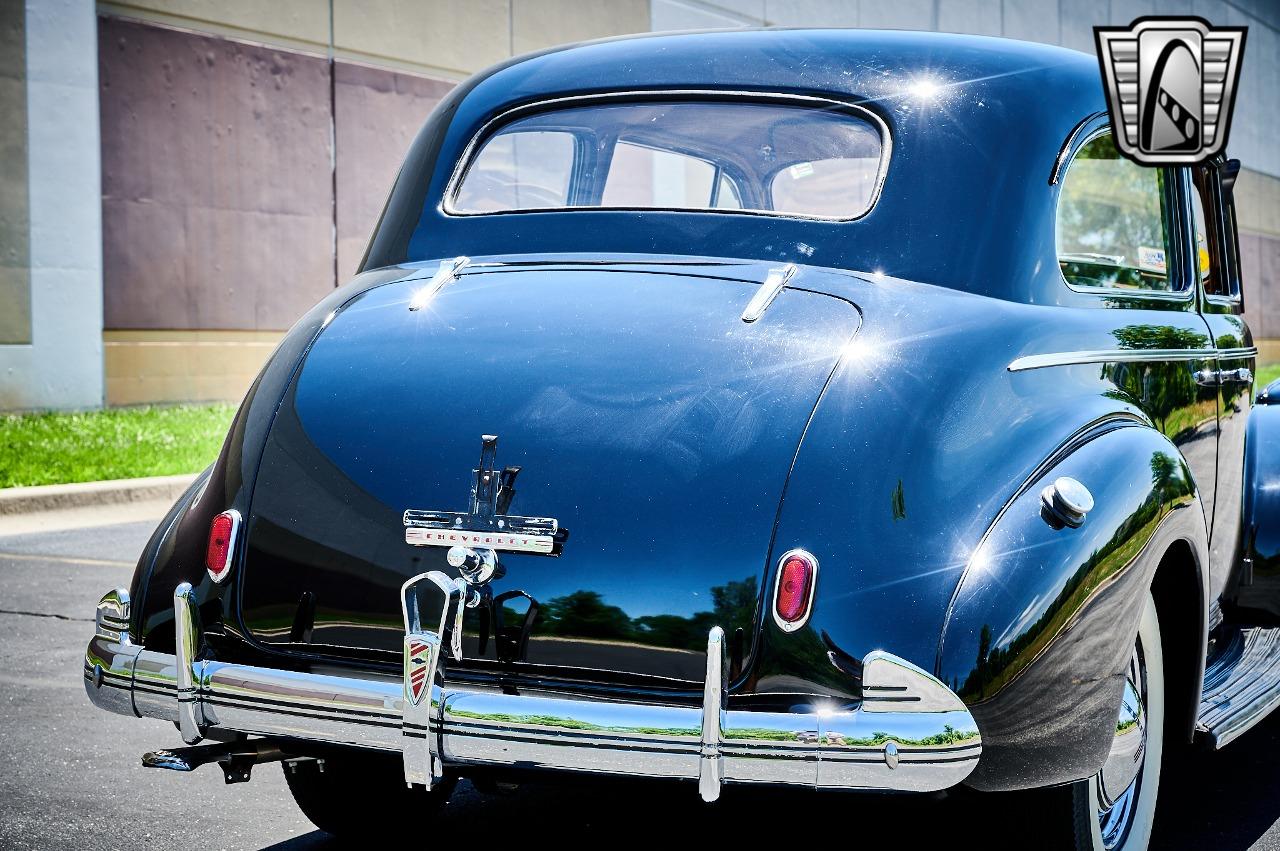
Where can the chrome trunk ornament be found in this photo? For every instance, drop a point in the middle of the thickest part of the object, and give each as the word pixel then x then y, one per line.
pixel 486 526
pixel 446 272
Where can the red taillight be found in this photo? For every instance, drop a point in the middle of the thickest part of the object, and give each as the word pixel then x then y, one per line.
pixel 793 594
pixel 222 537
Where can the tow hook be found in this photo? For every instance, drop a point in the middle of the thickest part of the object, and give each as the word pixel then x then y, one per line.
pixel 236 759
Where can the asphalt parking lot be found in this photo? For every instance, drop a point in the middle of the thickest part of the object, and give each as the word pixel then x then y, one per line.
pixel 70 775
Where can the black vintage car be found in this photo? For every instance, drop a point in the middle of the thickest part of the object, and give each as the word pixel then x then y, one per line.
pixel 834 409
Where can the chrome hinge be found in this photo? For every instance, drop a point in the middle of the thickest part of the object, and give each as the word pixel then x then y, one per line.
pixel 774 283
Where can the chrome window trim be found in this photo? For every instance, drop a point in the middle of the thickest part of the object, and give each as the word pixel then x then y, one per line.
pixel 724 95
pixel 1069 147
pixel 1234 301
pixel 1189 286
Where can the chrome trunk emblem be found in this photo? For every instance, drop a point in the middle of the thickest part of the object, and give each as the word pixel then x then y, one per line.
pixel 486 525
pixel 417 666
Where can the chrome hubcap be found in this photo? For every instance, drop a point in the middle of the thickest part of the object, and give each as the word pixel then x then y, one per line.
pixel 1121 774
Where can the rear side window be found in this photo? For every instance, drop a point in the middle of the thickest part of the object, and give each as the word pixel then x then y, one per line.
pixel 763 157
pixel 1114 225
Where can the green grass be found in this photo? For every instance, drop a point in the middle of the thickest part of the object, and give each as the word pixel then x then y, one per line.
pixel 1267 374
pixel 117 443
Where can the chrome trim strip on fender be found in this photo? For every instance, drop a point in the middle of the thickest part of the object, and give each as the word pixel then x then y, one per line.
pixel 908 733
pixel 1026 362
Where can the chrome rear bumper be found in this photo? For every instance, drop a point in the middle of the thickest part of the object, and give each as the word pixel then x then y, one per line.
pixel 909 733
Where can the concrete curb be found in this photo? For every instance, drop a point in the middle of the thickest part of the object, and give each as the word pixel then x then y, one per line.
pixel 15 501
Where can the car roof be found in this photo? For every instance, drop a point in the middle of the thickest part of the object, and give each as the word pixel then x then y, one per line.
pixel 975 122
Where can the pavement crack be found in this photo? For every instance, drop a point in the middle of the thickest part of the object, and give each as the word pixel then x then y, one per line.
pixel 44 615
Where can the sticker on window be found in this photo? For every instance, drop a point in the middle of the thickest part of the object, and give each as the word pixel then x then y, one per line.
pixel 1151 259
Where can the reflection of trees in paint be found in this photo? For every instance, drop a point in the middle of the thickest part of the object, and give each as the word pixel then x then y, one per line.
pixel 1166 391
pixel 995 667
pixel 585 614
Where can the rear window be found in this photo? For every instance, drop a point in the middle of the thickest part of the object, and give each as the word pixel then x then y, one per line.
pixel 823 162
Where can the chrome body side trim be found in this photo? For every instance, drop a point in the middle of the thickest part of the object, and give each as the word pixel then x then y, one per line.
pixel 775 283
pixel 908 733
pixel 1026 362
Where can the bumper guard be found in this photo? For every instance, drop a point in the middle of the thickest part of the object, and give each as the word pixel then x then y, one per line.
pixel 908 733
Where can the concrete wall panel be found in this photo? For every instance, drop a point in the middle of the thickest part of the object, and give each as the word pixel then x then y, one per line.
pixel 301 20
pixel 536 24
pixel 378 112
pixel 62 366
pixel 1268 297
pixel 898 15
pixel 15 279
pixel 454 35
pixel 976 17
pixel 1033 20
pixel 1258 201
pixel 813 13
pixel 674 15
pixel 217 187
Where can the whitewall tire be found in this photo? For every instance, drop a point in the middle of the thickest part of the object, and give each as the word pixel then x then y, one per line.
pixel 1115 809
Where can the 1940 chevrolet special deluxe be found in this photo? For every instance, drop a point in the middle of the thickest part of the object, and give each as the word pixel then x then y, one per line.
pixel 832 409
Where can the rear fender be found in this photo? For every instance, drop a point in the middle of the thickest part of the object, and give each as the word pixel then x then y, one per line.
pixel 176 551
pixel 1042 625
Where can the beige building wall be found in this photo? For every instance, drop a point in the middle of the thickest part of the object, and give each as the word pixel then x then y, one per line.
pixel 183 366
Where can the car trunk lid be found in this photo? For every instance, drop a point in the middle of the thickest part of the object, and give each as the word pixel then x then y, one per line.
pixel 646 417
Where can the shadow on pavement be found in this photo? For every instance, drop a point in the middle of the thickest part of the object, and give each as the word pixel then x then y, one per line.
pixel 1226 801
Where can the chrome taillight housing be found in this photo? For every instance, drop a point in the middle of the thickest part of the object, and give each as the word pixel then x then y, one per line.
pixel 793 589
pixel 222 544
